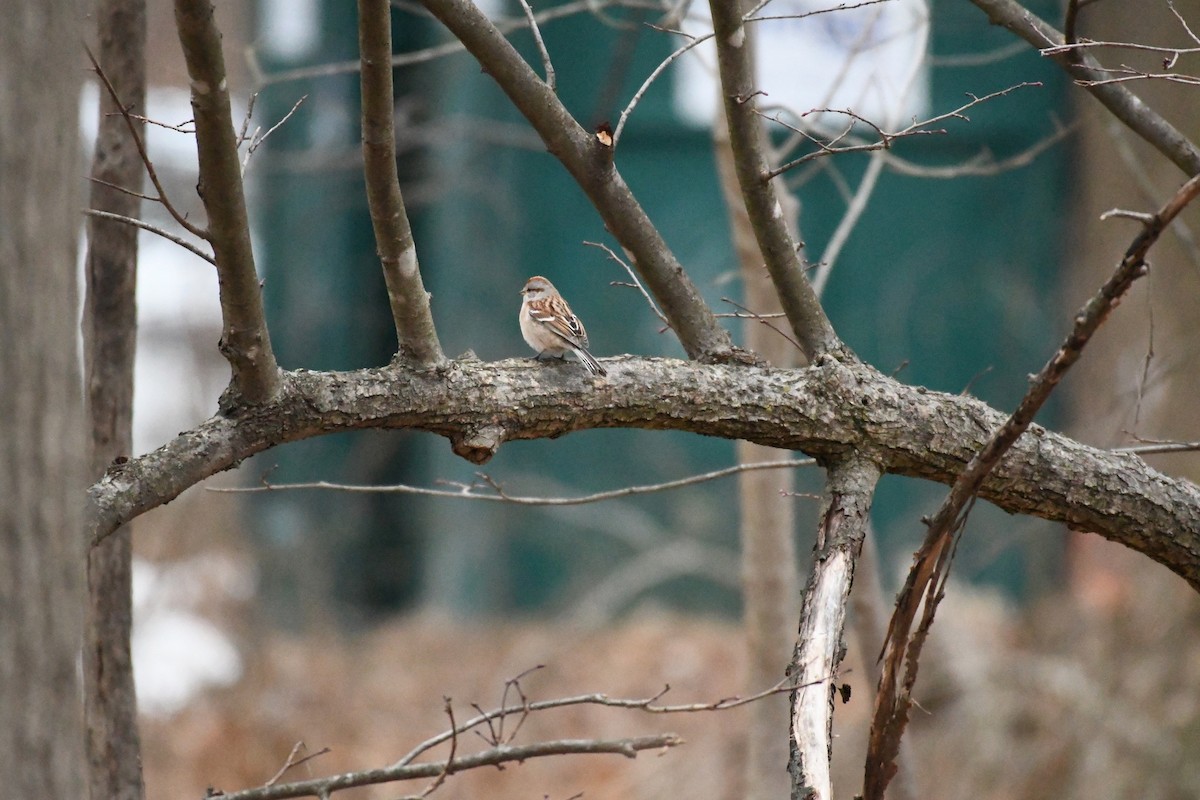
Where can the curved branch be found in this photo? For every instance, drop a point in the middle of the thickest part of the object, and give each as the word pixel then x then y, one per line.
pixel 824 410
pixel 1124 104
pixel 747 139
pixel 245 342
pixel 590 163
pixel 415 333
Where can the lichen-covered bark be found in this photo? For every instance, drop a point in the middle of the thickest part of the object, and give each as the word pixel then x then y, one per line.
pixel 823 410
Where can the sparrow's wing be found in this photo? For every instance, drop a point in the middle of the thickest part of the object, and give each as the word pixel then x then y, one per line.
pixel 566 326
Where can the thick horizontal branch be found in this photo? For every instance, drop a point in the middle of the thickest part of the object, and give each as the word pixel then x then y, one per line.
pixel 826 410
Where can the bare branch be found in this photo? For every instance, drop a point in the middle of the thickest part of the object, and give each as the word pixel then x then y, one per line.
pixel 886 138
pixel 820 645
pixel 637 96
pixel 762 321
pixel 427 54
pixel 1159 448
pixel 590 163
pixel 136 136
pixel 441 778
pixel 747 139
pixel 547 64
pixel 1127 74
pixel 821 411
pixel 291 761
pixel 981 165
pixel 324 787
pixel 245 341
pixel 632 276
pixel 468 491
pixel 927 577
pixel 256 141
pixel 122 189
pixel 137 223
pixel 1123 104
pixel 648 704
pixel 845 226
pixel 416 335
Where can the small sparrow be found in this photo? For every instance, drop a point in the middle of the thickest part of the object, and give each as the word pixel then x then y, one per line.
pixel 549 326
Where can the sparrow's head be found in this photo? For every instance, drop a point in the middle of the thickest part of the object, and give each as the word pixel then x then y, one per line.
pixel 537 287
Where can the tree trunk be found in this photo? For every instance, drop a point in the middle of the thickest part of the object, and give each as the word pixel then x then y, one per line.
pixel 110 335
pixel 41 475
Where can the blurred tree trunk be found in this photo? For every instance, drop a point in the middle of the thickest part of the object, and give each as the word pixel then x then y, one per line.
pixel 767 524
pixel 110 338
pixel 41 459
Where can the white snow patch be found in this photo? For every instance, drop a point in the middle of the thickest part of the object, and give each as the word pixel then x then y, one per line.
pixel 177 653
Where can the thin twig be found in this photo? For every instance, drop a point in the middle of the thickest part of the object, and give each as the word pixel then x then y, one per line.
pixel 246 119
pixel 122 189
pixel 982 165
pixel 647 704
pixel 434 52
pixel 1126 74
pixel 177 128
pixel 1183 22
pixel 632 276
pixel 256 141
pixel 547 65
pixel 466 491
pixel 293 762
pixel 141 148
pixel 441 778
pixel 137 223
pixel 763 320
pixel 887 138
pixel 637 96
pixel 1149 359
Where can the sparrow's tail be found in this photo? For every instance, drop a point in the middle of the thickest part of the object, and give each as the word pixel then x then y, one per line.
pixel 589 361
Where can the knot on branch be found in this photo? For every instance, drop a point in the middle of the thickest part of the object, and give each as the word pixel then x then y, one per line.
pixel 479 444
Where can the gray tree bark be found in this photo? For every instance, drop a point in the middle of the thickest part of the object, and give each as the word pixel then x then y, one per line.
pixel 110 338
pixel 41 455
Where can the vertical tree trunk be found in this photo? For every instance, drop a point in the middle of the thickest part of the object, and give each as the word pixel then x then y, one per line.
pixel 41 455
pixel 109 335
pixel 767 524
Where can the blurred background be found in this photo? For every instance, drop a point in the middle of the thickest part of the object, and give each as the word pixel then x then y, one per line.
pixel 1062 666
